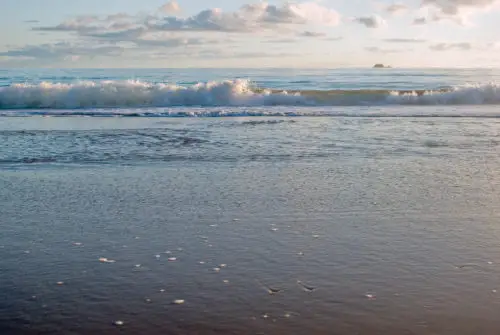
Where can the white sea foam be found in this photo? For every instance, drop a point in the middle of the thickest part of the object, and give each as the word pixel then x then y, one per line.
pixel 467 111
pixel 123 95
pixel 470 94
pixel 116 94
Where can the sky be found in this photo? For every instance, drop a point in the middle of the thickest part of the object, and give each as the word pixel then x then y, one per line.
pixel 249 34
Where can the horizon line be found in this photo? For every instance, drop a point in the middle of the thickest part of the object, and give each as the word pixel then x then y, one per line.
pixel 256 68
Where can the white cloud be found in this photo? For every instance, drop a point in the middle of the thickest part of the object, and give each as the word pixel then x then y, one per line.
pixel 166 28
pixel 281 41
pixel 249 18
pixel 333 39
pixel 311 34
pixel 404 40
pixel 451 46
pixel 218 54
pixel 80 23
pixel 62 50
pixel 315 13
pixel 372 21
pixel 128 35
pixel 168 42
pixel 420 21
pixel 458 11
pixel 385 51
pixel 396 8
pixel 170 7
pixel 453 7
pixel 460 20
pixel 118 17
pixel 94 24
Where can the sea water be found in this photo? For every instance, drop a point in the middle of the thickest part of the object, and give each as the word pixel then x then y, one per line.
pixel 268 201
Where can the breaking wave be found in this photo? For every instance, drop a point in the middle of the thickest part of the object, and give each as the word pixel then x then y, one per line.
pixel 235 93
pixel 137 94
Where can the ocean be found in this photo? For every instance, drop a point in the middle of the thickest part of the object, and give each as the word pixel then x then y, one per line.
pixel 244 201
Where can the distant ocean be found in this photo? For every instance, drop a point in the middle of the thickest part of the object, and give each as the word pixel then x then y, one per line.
pixel 269 201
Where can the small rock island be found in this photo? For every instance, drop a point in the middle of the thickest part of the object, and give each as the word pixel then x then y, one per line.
pixel 381 66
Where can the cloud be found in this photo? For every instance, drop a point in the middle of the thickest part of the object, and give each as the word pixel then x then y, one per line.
pixel 338 38
pixel 307 12
pixel 80 24
pixel 260 55
pixel 372 21
pixel 172 42
pixel 62 50
pixel 70 52
pixel 224 54
pixel 457 11
pixel 118 17
pixel 217 54
pixel 420 21
pixel 170 7
pixel 437 18
pixel 207 20
pixel 404 40
pixel 453 7
pixel 93 24
pixel 451 46
pixel 311 34
pixel 396 8
pixel 385 51
pixel 460 20
pixel 166 28
pixel 282 40
pixel 249 18
pixel 120 35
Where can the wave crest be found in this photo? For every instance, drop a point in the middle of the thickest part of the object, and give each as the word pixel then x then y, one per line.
pixel 117 94
pixel 470 94
pixel 138 94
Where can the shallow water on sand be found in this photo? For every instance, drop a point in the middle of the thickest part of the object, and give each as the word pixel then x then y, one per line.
pixel 277 226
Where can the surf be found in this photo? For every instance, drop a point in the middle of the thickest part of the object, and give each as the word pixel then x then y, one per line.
pixel 127 94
